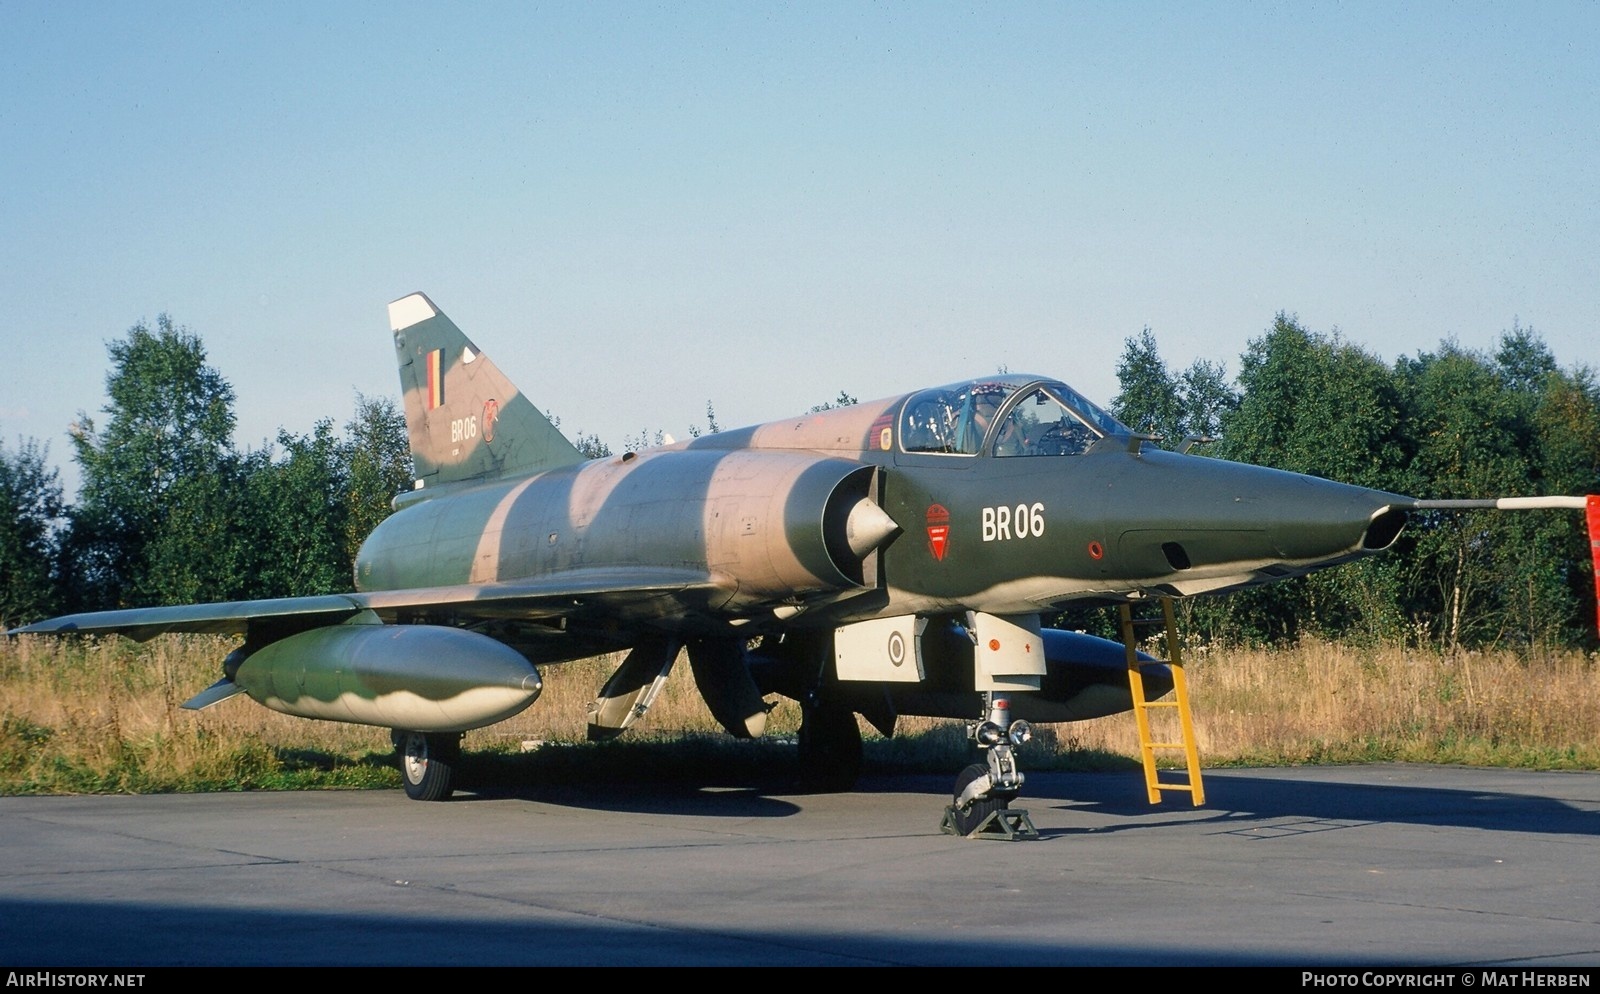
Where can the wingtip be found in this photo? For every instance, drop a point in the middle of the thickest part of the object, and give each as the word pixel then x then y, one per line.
pixel 47 627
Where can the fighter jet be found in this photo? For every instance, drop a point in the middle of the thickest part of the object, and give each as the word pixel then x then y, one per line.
pixel 887 558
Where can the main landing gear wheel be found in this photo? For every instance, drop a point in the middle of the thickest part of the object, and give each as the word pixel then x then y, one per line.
pixel 966 820
pixel 830 748
pixel 428 763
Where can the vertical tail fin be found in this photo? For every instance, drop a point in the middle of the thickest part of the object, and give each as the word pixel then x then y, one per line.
pixel 466 420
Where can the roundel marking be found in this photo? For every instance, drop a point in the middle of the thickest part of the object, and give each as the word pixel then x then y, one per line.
pixel 897 648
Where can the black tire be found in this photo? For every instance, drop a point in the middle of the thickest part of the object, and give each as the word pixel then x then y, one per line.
pixel 428 764
pixel 968 819
pixel 830 748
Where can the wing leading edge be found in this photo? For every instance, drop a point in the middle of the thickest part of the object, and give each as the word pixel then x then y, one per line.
pixel 551 597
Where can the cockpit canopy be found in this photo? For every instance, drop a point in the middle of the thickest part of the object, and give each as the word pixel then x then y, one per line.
pixel 1006 415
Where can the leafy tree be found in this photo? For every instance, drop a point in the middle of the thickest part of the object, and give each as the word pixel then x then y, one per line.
pixel 590 445
pixel 301 506
pixel 711 423
pixel 1566 430
pixel 1469 437
pixel 209 544
pixel 288 522
pixel 1507 425
pixel 1552 597
pixel 30 507
pixel 843 400
pixel 1446 424
pixel 1153 400
pixel 1149 399
pixel 377 457
pixel 1314 404
pixel 169 419
pixel 646 439
pixel 1523 359
pixel 1207 399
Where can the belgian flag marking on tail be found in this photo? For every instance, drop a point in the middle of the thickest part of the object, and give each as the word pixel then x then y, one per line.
pixel 435 379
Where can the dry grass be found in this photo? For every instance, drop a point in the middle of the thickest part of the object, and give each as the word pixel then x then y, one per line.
pixel 1328 703
pixel 102 715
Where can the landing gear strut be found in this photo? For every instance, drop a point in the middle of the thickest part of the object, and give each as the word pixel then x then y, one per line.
pixel 829 746
pixel 981 803
pixel 428 763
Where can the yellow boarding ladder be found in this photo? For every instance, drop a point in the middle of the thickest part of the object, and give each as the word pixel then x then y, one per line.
pixel 1179 701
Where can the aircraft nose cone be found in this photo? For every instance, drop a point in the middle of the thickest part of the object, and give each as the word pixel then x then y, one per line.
pixel 1314 518
pixel 1210 512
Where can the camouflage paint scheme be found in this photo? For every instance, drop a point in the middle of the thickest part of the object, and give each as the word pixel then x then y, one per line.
pixel 754 517
pixel 889 557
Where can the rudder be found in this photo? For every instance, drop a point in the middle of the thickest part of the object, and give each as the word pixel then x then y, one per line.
pixel 465 419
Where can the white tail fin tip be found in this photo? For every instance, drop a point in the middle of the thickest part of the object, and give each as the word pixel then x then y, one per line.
pixel 408 311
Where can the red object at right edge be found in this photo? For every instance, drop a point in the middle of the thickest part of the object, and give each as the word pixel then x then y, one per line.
pixel 1593 514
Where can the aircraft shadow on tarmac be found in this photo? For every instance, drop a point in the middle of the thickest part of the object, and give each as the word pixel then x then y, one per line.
pixel 751 780
pixel 1302 805
pixel 1307 805
pixel 723 800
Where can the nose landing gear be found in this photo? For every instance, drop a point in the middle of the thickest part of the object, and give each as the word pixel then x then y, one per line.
pixel 980 805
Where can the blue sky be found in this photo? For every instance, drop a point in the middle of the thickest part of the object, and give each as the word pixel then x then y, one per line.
pixel 635 208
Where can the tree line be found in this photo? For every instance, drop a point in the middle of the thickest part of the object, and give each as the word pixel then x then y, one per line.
pixel 171 511
pixel 1451 423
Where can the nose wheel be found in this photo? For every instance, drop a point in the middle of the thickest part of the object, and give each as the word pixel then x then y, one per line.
pixel 967 812
pixel 980 805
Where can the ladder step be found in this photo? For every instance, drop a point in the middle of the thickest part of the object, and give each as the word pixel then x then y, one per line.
pixel 1179 702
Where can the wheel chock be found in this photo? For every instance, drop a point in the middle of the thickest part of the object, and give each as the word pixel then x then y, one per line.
pixel 1009 824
